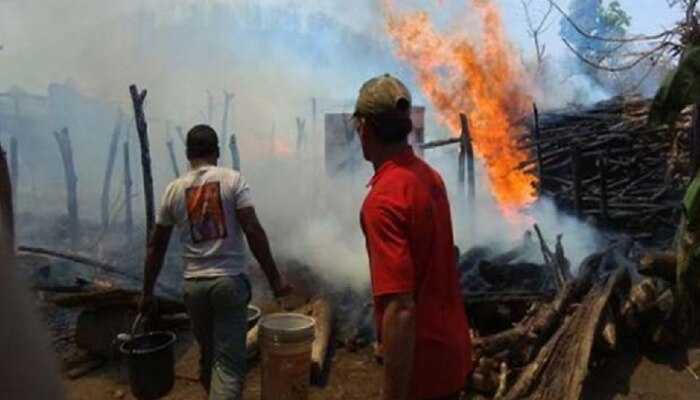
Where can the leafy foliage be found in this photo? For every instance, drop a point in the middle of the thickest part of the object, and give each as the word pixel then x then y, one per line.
pixel 680 88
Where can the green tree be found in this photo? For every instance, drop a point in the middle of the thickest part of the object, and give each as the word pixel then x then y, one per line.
pixel 589 24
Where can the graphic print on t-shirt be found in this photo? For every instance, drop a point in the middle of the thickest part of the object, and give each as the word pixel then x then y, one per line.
pixel 205 213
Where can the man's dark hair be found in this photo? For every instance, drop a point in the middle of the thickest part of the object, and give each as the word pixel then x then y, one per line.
pixel 390 130
pixel 202 141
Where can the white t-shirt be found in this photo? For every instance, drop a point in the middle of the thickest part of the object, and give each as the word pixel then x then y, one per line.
pixel 202 203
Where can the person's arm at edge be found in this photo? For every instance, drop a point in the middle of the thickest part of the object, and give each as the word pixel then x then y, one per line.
pixel 260 247
pixel 398 341
pixel 153 263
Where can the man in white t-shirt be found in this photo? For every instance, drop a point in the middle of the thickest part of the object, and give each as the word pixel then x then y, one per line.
pixel 213 210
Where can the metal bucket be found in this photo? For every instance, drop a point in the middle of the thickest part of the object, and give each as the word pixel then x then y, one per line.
pixel 151 364
pixel 285 343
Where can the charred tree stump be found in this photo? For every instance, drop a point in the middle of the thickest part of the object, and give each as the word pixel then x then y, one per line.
pixel 173 159
pixel 14 168
pixel 228 97
pixel 235 155
pixel 111 157
pixel 7 218
pixel 138 98
pixel 64 145
pixel 129 217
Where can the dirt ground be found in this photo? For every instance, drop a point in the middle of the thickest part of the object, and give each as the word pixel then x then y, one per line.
pixel 628 375
pixel 351 376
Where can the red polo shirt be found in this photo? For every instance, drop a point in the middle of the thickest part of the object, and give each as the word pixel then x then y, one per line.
pixel 408 230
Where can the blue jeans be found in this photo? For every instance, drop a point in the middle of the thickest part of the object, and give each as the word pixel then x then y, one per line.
pixel 218 309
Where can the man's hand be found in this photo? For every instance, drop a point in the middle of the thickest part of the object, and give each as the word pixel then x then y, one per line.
pixel 145 303
pixel 280 288
pixel 398 341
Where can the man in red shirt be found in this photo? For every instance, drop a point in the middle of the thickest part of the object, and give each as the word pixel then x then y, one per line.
pixel 421 322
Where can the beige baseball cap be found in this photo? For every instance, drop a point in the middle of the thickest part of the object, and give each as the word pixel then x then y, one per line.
pixel 383 96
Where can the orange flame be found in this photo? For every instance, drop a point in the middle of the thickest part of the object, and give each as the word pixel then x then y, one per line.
pixel 479 76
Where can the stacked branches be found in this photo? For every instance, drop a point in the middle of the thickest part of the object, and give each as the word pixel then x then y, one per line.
pixel 606 162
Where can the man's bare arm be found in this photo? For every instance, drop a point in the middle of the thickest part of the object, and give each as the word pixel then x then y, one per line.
pixel 398 342
pixel 155 254
pixel 260 247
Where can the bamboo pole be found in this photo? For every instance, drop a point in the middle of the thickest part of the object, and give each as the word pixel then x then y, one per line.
pixel 111 157
pixel 138 99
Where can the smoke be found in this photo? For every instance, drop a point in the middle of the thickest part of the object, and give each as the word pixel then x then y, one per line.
pixel 275 56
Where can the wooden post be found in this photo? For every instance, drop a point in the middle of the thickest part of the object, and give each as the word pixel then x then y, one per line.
pixel 469 152
pixel 462 156
pixel 228 96
pixel 129 218
pixel 178 129
pixel 14 168
pixel 538 147
pixel 142 128
pixel 235 155
pixel 301 134
pixel 111 157
pixel 576 177
pixel 173 159
pixel 210 108
pixel 603 169
pixel 7 218
pixel 64 145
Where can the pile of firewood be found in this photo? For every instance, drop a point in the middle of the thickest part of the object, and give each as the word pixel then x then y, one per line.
pixel 547 353
pixel 606 162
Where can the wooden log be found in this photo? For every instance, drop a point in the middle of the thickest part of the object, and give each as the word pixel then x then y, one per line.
pixel 561 366
pixel 7 216
pixel 107 182
pixel 111 298
pixel 439 143
pixel 659 264
pixel 128 216
pixel 100 265
pixel 235 155
pixel 138 99
pixel 64 145
pixel 321 312
pixel 252 346
pixel 14 168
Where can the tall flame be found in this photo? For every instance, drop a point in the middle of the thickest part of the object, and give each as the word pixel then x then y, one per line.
pixel 480 76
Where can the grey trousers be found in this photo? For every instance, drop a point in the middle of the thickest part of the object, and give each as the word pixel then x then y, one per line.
pixel 218 310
